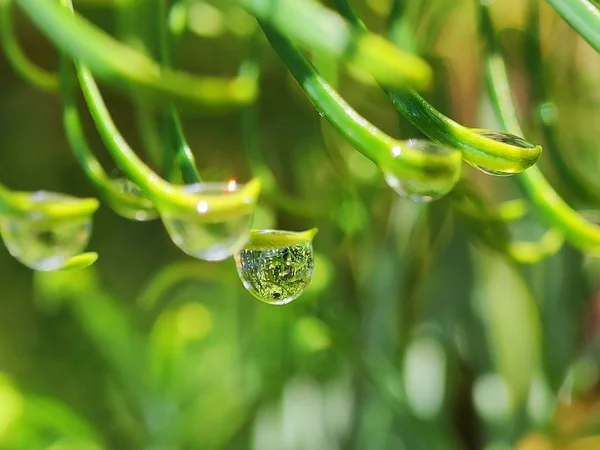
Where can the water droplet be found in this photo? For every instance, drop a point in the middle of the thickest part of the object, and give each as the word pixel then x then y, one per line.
pixel 131 204
pixel 505 138
pixel 45 244
pixel 202 237
pixel 276 274
pixel 422 190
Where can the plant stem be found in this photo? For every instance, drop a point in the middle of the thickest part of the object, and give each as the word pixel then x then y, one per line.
pixel 273 192
pixel 574 181
pixel 166 197
pixel 37 76
pixel 380 148
pixel 477 150
pixel 583 16
pixel 128 68
pixel 577 230
pixel 175 138
pixel 319 29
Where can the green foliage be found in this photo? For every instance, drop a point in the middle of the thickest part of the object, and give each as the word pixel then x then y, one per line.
pixel 466 322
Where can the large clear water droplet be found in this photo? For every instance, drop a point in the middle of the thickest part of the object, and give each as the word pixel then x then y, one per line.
pixel 202 237
pixel 45 244
pixel 276 275
pixel 505 138
pixel 419 190
pixel 132 204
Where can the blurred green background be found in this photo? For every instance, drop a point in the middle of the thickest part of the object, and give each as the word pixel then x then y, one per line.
pixel 416 332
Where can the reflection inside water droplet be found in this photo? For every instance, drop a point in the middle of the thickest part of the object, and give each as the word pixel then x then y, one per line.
pixel 139 208
pixel 43 244
pixel 505 138
pixel 276 275
pixel 420 190
pixel 204 238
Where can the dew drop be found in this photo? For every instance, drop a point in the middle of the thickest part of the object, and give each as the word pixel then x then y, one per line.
pixel 505 138
pixel 204 238
pixel 422 190
pixel 45 244
pixel 133 205
pixel 276 275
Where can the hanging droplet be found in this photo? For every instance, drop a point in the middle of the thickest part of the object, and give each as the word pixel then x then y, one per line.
pixel 424 190
pixel 43 243
pixel 276 272
pixel 202 237
pixel 505 138
pixel 131 203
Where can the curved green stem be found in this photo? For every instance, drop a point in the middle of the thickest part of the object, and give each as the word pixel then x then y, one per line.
pixel 321 30
pixel 165 196
pixel 388 153
pixel 574 181
pixel 157 189
pixel 131 19
pixel 495 231
pixel 491 155
pixel 577 230
pixel 167 146
pixel 125 67
pixel 175 139
pixel 37 76
pixel 583 16
pixel 119 200
pixel 259 167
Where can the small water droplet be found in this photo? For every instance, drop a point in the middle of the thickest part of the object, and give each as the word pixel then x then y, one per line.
pixel 206 239
pixel 140 208
pixel 276 275
pixel 43 244
pixel 505 138
pixel 422 190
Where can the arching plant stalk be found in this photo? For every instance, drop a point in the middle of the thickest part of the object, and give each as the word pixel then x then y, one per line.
pixel 175 142
pixel 493 156
pixel 272 191
pixel 319 29
pixel 165 143
pixel 578 231
pixel 124 203
pixel 126 67
pixel 41 78
pixel 388 153
pixel 583 16
pixel 166 197
pixel 577 187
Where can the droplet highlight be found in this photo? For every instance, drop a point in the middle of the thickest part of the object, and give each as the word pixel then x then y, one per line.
pixel 43 243
pixel 276 274
pixel 201 236
pixel 423 190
